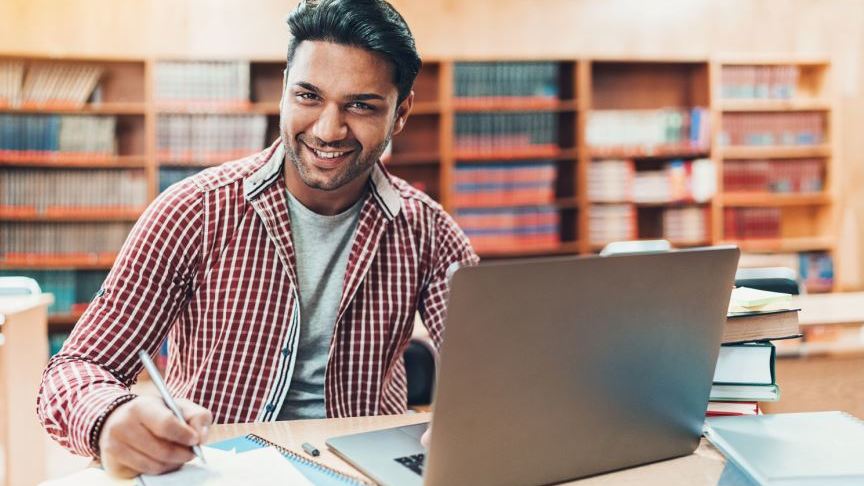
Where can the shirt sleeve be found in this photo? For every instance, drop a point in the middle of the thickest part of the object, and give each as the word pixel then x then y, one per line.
pixel 451 249
pixel 136 306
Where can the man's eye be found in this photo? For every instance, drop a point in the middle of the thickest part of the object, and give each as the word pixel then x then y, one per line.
pixel 307 96
pixel 360 106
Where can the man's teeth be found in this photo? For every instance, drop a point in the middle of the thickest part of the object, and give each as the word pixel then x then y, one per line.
pixel 328 155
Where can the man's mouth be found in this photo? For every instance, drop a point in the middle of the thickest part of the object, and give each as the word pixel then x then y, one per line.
pixel 329 158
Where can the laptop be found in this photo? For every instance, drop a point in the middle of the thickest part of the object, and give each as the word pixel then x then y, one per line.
pixel 561 368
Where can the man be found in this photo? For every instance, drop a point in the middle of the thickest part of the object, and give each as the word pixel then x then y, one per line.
pixel 287 282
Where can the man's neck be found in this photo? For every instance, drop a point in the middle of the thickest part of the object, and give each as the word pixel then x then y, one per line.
pixel 325 203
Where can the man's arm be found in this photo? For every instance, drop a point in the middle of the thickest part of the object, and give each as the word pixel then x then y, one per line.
pixel 451 249
pixel 137 304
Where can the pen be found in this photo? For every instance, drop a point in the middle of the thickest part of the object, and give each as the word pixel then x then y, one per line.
pixel 166 395
pixel 311 450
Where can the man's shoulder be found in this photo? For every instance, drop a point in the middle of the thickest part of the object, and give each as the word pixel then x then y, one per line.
pixel 415 202
pixel 230 173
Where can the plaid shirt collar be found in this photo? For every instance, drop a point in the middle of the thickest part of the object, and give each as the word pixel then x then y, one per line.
pixel 380 186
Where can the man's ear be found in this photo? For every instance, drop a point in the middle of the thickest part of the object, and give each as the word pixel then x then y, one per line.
pixel 402 112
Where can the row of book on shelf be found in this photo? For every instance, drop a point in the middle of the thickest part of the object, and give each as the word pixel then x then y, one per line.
pixel 685 225
pixel 37 135
pixel 769 129
pixel 47 83
pixel 776 176
pixel 673 181
pixel 759 82
pixel 752 223
pixel 218 82
pixel 44 241
pixel 494 83
pixel 209 139
pixel 481 133
pixel 672 129
pixel 57 190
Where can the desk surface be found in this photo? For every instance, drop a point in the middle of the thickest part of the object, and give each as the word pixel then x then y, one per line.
pixel 704 467
pixel 830 309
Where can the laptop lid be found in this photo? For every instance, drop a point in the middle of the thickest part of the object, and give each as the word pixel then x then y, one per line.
pixel 561 368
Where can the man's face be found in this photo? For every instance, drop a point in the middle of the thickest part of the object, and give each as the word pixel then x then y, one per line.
pixel 338 112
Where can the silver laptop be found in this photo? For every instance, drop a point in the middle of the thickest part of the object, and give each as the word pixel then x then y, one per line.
pixel 561 368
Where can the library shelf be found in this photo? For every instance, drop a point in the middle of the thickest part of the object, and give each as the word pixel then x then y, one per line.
pixel 413 158
pixel 516 154
pixel 563 248
pixel 782 245
pixel 814 104
pixel 473 105
pixel 775 200
pixel 58 262
pixel 775 152
pixel 64 215
pixel 59 160
pixel 106 108
pixel 647 152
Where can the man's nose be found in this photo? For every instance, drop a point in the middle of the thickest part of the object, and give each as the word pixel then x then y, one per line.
pixel 330 126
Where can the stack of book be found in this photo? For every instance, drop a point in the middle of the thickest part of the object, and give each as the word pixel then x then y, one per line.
pixel 775 176
pixel 34 136
pixel 611 222
pixel 745 373
pixel 66 85
pixel 686 225
pixel 747 223
pixel 221 83
pixel 761 129
pixel 57 192
pixel 208 139
pixel 759 82
pixel 508 229
pixel 480 84
pixel 505 184
pixel 669 129
pixel 480 135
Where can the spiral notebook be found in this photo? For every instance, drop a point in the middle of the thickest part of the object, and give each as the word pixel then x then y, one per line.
pixel 818 448
pixel 317 473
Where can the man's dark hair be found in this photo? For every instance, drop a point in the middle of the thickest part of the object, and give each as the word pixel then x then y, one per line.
pixel 373 25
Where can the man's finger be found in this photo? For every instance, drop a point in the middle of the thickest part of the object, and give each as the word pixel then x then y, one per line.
pixel 198 417
pixel 162 423
pixel 139 438
pixel 124 458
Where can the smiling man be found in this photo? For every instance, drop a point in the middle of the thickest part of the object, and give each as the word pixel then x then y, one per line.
pixel 286 283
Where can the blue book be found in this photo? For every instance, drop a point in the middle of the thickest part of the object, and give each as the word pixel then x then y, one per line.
pixel 815 448
pixel 317 473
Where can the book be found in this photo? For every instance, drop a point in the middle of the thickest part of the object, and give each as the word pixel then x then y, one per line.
pixel 744 393
pixel 719 409
pixel 761 326
pixel 745 299
pixel 746 364
pixel 317 473
pixel 823 448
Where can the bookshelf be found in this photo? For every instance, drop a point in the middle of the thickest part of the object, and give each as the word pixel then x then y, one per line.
pixel 660 125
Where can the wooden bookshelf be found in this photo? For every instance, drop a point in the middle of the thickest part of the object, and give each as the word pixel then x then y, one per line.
pixel 61 214
pixel 426 152
pixel 74 262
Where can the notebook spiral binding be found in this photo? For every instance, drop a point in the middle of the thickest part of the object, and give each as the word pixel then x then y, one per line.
pixel 308 462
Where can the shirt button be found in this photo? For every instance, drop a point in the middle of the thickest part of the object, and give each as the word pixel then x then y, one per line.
pixel 286 351
pixel 270 407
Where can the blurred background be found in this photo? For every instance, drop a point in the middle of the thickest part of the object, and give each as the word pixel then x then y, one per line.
pixel 546 127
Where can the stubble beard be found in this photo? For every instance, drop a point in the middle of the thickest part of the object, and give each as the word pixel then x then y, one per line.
pixel 355 167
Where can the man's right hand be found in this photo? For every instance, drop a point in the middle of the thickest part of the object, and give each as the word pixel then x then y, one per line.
pixel 143 436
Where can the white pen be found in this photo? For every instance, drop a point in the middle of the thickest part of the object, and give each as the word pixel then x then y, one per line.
pixel 166 395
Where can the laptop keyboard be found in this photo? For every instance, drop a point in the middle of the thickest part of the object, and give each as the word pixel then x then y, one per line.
pixel 414 463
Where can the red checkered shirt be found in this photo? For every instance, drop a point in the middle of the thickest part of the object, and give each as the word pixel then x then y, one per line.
pixel 211 266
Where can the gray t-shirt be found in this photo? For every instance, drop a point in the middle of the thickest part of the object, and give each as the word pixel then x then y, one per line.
pixel 321 247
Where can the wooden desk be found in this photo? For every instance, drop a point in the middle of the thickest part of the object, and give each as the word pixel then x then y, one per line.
pixel 23 356
pixel 704 467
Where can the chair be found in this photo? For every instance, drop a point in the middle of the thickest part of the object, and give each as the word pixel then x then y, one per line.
pixel 774 279
pixel 420 365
